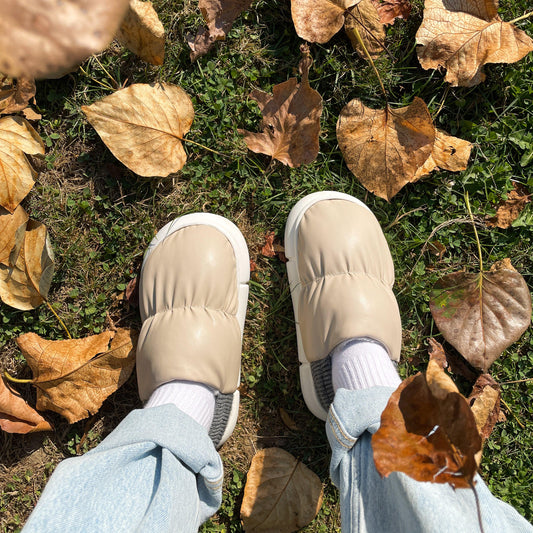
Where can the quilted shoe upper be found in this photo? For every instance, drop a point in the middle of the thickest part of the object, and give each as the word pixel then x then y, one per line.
pixel 346 274
pixel 188 303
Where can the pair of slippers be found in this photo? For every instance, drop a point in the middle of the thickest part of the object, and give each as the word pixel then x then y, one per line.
pixel 194 292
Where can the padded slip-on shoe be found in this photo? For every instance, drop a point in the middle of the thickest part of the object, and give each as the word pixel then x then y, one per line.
pixel 193 295
pixel 341 276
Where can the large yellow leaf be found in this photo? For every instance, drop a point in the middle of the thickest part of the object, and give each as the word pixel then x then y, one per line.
pixel 463 36
pixel 385 147
pixel 17 137
pixel 281 493
pixel 142 32
pixel 46 37
pixel 73 377
pixel 12 230
pixel 143 125
pixel 16 416
pixel 25 285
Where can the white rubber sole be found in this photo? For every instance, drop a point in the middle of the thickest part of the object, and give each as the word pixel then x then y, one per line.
pixel 291 251
pixel 242 259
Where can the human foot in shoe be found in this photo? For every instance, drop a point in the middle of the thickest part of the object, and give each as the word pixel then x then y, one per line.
pixel 193 296
pixel 341 276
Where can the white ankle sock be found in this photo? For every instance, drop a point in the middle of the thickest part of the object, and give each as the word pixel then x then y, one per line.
pixel 361 363
pixel 194 399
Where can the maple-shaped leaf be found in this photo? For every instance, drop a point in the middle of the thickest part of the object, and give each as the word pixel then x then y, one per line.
pixel 281 493
pixel 390 10
pixel 385 147
pixel 46 38
pixel 25 284
pixel 485 404
pixel 317 21
pixel 73 377
pixel 291 119
pixel 449 153
pixel 16 416
pixel 12 231
pixel 509 209
pixel 463 36
pixel 141 32
pixel 482 314
pixel 17 137
pixel 220 16
pixel 428 430
pixel 15 95
pixel 144 125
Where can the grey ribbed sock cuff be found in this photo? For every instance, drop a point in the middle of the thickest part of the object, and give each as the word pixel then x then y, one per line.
pixel 362 363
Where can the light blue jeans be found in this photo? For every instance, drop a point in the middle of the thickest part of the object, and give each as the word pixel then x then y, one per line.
pixel 158 471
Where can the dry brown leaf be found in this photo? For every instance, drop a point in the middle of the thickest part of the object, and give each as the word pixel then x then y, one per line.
pixel 485 404
pixel 44 38
pixel 17 137
pixel 15 95
pixel 385 148
pixel 291 119
pixel 219 16
pixel 16 416
pixel 281 493
pixel 508 210
pixel 428 430
pixel 481 315
pixel 144 125
pixel 389 10
pixel 463 36
pixel 141 32
pixel 26 284
pixel 449 153
pixel 12 230
pixel 73 377
pixel 317 21
pixel 364 18
pixel 268 249
pixel 30 114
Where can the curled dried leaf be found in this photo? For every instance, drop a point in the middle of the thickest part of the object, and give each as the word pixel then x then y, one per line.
pixel 15 95
pixel 16 416
pixel 219 16
pixel 25 285
pixel 12 231
pixel 509 209
pixel 482 314
pixel 390 10
pixel 364 18
pixel 73 377
pixel 485 404
pixel 144 125
pixel 17 137
pixel 281 493
pixel 141 32
pixel 428 430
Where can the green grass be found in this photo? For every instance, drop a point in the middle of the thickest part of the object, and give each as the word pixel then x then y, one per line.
pixel 101 217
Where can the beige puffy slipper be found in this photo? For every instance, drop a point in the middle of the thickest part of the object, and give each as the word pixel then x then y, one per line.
pixel 341 276
pixel 193 295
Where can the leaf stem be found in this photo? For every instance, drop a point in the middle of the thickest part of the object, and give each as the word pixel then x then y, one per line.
pixel 478 506
pixel 511 411
pixel 201 146
pixel 526 380
pixel 360 41
pixel 16 380
pixel 59 319
pixel 523 17
pixel 467 200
